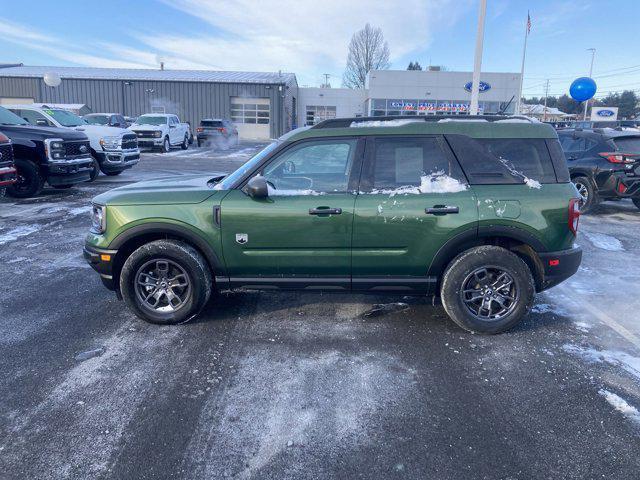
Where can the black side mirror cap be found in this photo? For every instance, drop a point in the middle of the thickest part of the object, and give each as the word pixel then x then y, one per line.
pixel 257 187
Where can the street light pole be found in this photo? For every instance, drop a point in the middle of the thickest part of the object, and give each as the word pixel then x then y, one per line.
pixel 586 104
pixel 546 95
pixel 477 64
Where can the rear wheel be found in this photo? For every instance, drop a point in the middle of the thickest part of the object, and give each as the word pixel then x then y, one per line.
pixel 487 289
pixel 165 282
pixel 185 143
pixel 29 182
pixel 588 196
pixel 95 169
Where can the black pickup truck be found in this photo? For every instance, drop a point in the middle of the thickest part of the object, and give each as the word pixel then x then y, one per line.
pixel 7 168
pixel 58 156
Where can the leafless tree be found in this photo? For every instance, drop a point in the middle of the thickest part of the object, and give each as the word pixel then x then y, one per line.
pixel 367 51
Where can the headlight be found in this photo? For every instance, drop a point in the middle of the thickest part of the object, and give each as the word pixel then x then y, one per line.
pixel 111 143
pixel 98 218
pixel 54 149
pixel 157 134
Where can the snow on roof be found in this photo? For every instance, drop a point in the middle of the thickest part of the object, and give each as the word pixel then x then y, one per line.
pixel 64 106
pixel 150 75
pixel 539 110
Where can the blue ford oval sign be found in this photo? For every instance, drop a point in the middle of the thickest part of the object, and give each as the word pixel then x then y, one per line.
pixel 605 113
pixel 484 86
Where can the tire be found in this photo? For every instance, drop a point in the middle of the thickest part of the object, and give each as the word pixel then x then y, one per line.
pixel 166 145
pixel 587 191
pixel 30 181
pixel 148 263
pixel 636 202
pixel 96 169
pixel 113 173
pixel 459 286
pixel 185 143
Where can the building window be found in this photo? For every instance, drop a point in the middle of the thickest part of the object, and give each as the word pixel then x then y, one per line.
pixel 250 110
pixel 318 113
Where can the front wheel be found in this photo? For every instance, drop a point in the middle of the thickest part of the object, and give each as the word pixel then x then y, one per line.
pixel 95 169
pixel 165 282
pixel 636 202
pixel 487 289
pixel 588 195
pixel 29 183
pixel 166 145
pixel 185 143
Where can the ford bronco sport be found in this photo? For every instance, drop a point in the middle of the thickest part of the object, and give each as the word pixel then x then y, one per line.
pixel 481 213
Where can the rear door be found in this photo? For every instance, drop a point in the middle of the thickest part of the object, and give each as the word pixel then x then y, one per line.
pixel 300 236
pixel 413 198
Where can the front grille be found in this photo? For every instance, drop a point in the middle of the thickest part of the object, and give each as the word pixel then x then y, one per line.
pixel 75 149
pixel 7 154
pixel 129 141
pixel 144 134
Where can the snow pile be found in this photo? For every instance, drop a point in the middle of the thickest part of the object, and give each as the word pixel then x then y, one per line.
pixel 384 123
pixel 621 405
pixel 605 242
pixel 433 183
pixel 616 358
pixel 274 192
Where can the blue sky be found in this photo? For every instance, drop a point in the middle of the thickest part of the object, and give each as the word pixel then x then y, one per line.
pixel 310 38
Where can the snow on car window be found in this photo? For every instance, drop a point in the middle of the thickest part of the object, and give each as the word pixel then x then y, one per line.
pixel 437 182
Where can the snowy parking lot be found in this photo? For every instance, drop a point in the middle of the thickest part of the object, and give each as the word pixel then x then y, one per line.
pixel 298 385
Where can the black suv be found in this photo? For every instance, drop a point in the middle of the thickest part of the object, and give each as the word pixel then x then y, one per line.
pixel 59 156
pixel 217 132
pixel 604 164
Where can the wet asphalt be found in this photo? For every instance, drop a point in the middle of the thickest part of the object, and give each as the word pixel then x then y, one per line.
pixel 266 385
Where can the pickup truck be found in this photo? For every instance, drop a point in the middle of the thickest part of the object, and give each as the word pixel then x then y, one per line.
pixel 113 149
pixel 60 157
pixel 7 168
pixel 156 130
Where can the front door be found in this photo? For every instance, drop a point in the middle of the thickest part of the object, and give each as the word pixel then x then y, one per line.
pixel 413 198
pixel 300 236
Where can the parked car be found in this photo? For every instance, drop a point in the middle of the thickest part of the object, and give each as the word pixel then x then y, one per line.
pixel 107 120
pixel 604 164
pixel 7 168
pixel 216 131
pixel 60 157
pixel 156 130
pixel 113 150
pixel 481 214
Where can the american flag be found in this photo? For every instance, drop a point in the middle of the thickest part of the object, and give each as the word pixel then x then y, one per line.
pixel 528 23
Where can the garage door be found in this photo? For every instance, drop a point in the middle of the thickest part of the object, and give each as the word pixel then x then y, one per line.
pixel 252 117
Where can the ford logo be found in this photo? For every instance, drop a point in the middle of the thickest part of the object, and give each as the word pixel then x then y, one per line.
pixel 605 113
pixel 83 149
pixel 484 86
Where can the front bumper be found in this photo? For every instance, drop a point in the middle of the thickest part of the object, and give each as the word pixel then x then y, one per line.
pixel 144 142
pixel 69 172
pixel 101 260
pixel 558 266
pixel 8 175
pixel 118 160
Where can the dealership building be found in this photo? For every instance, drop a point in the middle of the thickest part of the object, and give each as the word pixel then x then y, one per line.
pixel 263 105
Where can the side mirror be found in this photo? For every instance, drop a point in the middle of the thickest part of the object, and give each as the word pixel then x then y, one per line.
pixel 257 187
pixel 41 122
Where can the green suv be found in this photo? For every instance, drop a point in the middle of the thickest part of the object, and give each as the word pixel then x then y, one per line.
pixel 477 211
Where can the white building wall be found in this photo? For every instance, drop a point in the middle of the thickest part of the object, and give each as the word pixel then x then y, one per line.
pixel 348 102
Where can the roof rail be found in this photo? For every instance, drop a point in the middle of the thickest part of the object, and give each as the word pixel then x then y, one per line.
pixel 347 122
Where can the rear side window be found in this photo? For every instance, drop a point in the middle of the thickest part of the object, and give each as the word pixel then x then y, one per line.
pixel 211 123
pixel 627 144
pixel 404 162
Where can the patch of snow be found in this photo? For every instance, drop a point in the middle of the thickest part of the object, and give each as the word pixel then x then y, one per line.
pixel 582 326
pixel 616 358
pixel 384 123
pixel 274 192
pixel 16 233
pixel 517 120
pixel 380 210
pixel 434 183
pixel 621 405
pixel 80 210
pixel 605 242
pixel 532 183
pixel 461 120
pixel 541 308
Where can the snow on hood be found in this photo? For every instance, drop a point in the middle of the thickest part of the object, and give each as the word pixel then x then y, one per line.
pixel 101 130
pixel 433 183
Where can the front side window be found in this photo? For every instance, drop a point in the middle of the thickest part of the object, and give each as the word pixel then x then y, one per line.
pixel 316 166
pixel 400 163
pixel 35 118
pixel 97 119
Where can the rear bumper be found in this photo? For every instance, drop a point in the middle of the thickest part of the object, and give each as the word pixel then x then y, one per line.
pixel 620 185
pixel 558 266
pixel 97 259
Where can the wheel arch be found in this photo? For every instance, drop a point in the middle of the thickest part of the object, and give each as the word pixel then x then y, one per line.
pixel 520 242
pixel 135 237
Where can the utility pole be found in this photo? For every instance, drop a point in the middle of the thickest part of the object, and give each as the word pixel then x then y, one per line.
pixel 546 94
pixel 477 64
pixel 586 104
pixel 326 80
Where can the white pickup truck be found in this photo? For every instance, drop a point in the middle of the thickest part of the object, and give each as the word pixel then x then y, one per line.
pixel 158 130
pixel 113 149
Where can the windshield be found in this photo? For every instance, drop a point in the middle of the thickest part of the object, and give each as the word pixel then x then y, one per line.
pixel 151 120
pixel 65 118
pixel 230 180
pixel 10 118
pixel 97 119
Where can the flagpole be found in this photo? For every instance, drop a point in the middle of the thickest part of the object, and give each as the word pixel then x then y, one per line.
pixel 524 54
pixel 477 63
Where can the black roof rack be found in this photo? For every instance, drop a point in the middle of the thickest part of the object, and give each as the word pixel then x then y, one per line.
pixel 346 122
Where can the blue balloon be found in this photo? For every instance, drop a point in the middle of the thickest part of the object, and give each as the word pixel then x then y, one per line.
pixel 582 89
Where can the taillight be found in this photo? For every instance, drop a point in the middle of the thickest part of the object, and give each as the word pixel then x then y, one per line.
pixel 574 215
pixel 615 157
pixel 222 130
pixel 199 129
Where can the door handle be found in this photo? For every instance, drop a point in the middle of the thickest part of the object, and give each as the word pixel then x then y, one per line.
pixel 325 211
pixel 441 210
